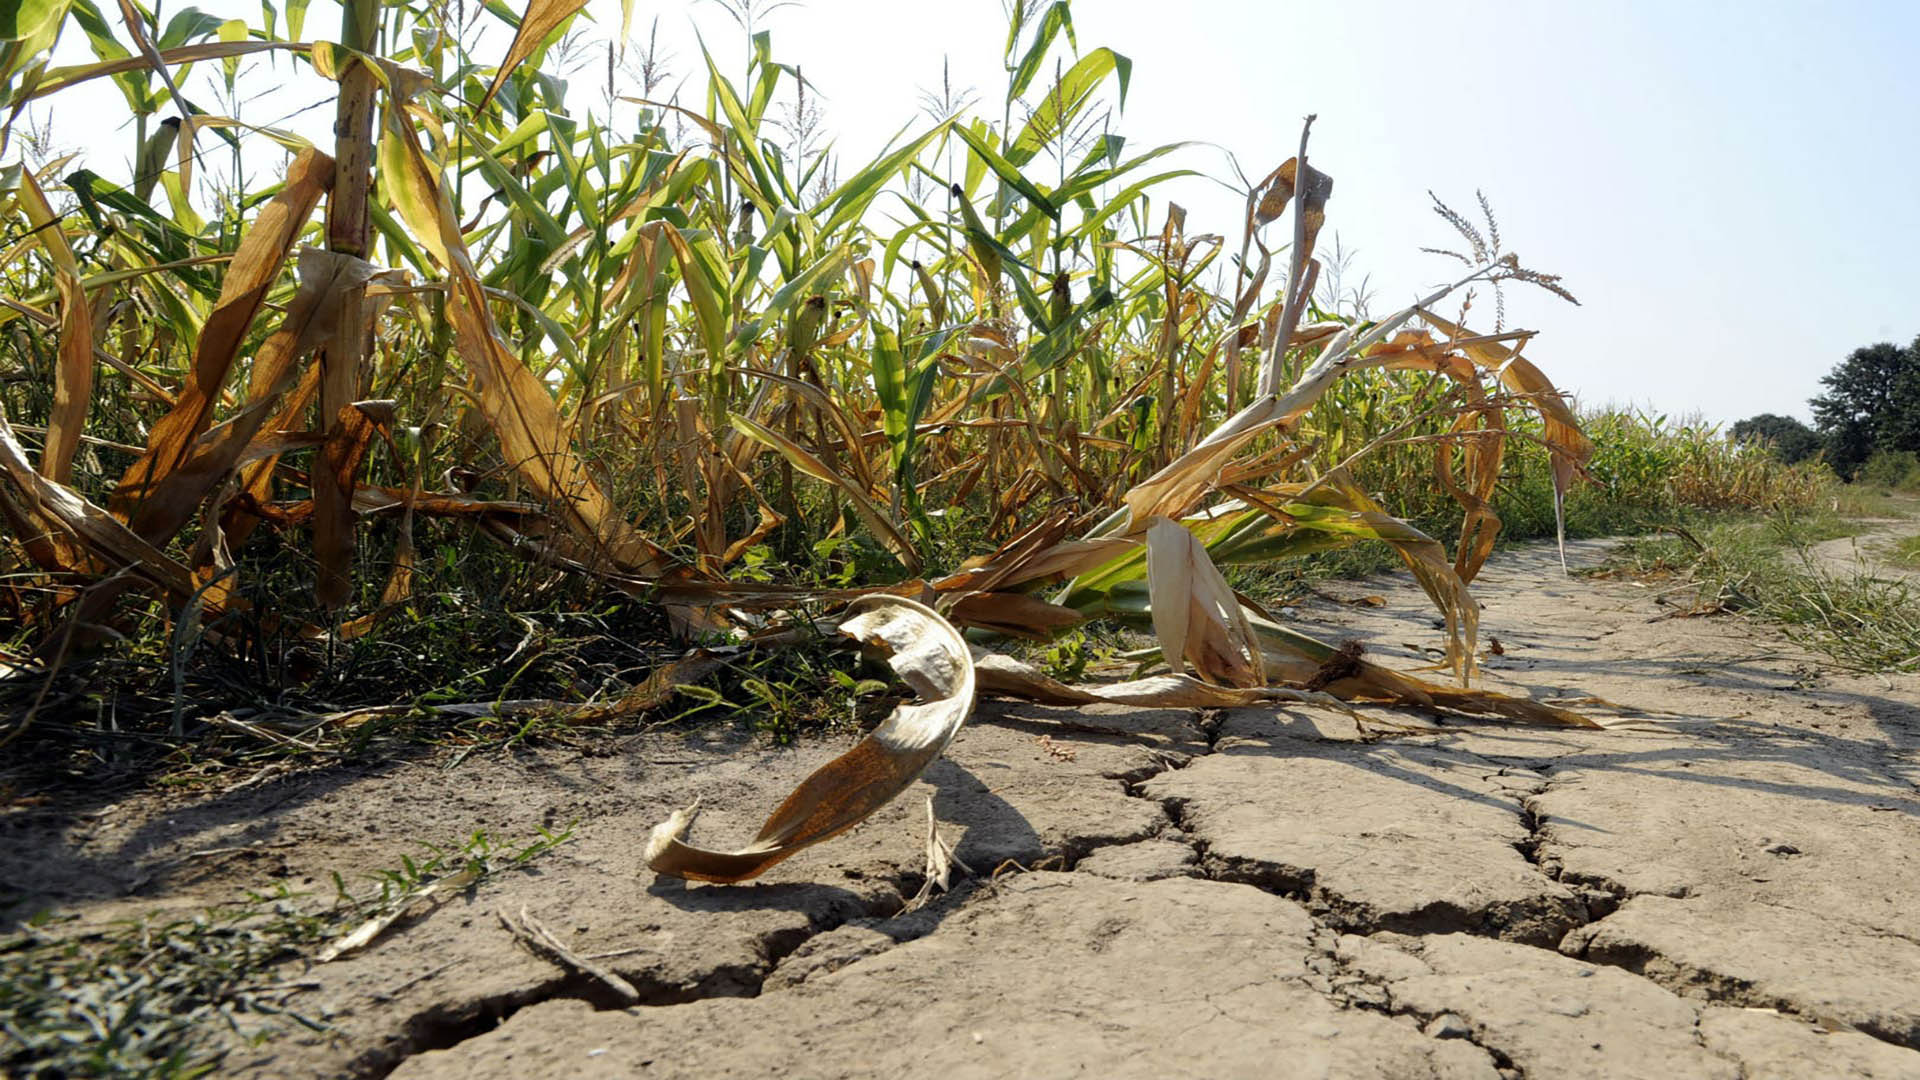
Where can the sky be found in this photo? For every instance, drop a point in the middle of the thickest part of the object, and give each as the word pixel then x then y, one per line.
pixel 1731 189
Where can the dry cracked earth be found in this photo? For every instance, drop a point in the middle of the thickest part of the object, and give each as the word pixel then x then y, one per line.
pixel 1161 892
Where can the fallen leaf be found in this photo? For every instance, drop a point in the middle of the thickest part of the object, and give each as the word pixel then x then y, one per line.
pixel 930 655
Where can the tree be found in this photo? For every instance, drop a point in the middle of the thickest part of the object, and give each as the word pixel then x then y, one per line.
pixel 1901 428
pixel 1872 403
pixel 1791 440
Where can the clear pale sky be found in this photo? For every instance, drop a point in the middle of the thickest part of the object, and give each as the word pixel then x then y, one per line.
pixel 1732 189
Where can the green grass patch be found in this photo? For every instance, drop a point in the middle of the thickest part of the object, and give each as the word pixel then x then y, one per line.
pixel 147 998
pixel 1905 551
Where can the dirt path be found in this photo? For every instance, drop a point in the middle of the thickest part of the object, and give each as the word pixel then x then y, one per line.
pixel 1868 553
pixel 1247 893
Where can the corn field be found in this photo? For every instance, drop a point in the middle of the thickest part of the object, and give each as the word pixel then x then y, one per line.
pixel 703 369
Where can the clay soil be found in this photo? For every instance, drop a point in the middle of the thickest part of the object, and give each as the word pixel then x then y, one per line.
pixel 1730 892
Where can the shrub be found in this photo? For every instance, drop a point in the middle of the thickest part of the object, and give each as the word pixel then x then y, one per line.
pixel 1895 470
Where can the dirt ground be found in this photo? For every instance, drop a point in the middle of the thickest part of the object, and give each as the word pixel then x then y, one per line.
pixel 1868 552
pixel 1735 893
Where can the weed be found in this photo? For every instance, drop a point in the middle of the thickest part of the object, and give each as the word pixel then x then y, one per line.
pixel 155 997
pixel 1763 567
pixel 1905 551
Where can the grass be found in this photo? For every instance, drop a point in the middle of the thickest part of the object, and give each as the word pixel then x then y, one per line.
pixel 1762 567
pixel 1905 551
pixel 158 997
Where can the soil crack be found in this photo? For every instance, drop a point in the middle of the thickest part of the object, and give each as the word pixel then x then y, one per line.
pixel 444 1025
pixel 1697 984
pixel 1334 977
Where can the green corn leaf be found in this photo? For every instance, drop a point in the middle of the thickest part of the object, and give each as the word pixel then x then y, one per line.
pixel 1067 98
pixel 1059 17
pixel 1007 172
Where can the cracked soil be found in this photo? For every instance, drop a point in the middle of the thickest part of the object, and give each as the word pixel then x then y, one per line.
pixel 1274 892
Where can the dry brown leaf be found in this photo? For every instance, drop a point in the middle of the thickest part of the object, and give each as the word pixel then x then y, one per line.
pixel 1569 446
pixel 73 377
pixel 1196 615
pixel 1426 558
pixel 541 18
pixel 1014 614
pixel 173 501
pixel 48 506
pixel 999 674
pixel 1313 195
pixel 929 654
pixel 1174 489
pixel 535 438
pixel 170 500
pixel 255 480
pixel 1049 565
pixel 255 267
pixel 996 674
pixel 1298 658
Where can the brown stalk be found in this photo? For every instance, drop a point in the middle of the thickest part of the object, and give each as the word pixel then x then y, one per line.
pixel 343 362
pixel 1297 284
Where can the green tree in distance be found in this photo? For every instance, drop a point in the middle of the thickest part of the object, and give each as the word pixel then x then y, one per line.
pixel 1872 404
pixel 1791 440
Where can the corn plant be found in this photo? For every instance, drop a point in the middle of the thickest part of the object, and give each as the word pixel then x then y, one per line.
pixel 650 354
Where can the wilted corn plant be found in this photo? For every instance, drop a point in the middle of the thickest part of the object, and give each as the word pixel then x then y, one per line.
pixel 640 357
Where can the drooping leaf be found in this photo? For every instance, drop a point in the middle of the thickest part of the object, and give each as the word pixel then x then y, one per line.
pixel 534 436
pixel 541 19
pixel 1196 615
pixel 73 377
pixel 255 267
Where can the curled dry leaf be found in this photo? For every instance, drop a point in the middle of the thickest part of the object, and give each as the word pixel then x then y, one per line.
pixel 1196 616
pixel 929 654
pixel 1560 428
pixel 1292 658
pixel 999 674
pixel 1273 193
pixel 1013 614
pixel 1303 660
